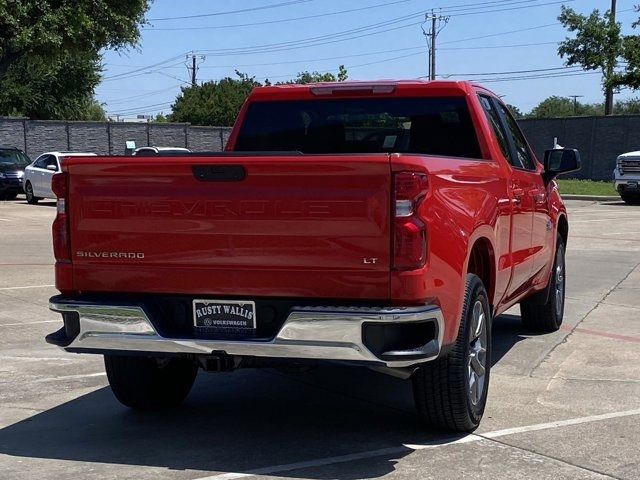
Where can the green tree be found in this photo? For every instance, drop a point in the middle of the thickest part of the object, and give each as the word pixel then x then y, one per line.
pixel 60 87
pixel 46 28
pixel 213 103
pixel 598 45
pixel 218 103
pixel 307 77
pixel 557 107
pixel 342 73
pixel 628 107
pixel 515 111
pixel 160 118
pixel 92 110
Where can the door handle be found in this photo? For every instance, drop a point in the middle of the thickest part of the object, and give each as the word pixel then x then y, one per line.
pixel 539 196
pixel 517 195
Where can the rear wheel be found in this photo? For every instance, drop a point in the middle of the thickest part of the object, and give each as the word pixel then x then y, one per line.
pixel 545 315
pixel 147 383
pixel 28 190
pixel 451 392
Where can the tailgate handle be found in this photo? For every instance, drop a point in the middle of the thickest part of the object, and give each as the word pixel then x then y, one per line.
pixel 219 173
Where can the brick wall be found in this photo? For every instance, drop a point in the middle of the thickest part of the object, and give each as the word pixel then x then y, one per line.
pixel 599 139
pixel 105 138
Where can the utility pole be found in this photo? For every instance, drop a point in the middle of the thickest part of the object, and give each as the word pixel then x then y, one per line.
pixel 193 69
pixel 438 22
pixel 575 102
pixel 608 101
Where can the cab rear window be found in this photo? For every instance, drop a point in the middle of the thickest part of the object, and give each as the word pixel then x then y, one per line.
pixel 431 126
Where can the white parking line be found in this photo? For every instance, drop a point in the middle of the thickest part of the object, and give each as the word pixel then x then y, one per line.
pixel 25 287
pixel 70 377
pixel 403 449
pixel 27 323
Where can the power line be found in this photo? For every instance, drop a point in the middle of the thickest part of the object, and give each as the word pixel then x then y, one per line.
pixel 158 64
pixel 348 67
pixel 230 12
pixel 320 15
pixel 141 95
pixel 311 41
pixel 284 46
pixel 535 77
pixel 342 57
pixel 500 34
pixel 350 34
pixel 140 109
pixel 508 73
pixel 171 76
pixel 287 45
pixel 513 45
pixel 282 20
pixel 508 9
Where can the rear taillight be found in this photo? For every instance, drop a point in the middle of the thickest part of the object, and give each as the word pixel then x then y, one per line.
pixel 60 228
pixel 410 236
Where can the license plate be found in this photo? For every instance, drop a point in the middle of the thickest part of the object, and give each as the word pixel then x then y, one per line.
pixel 224 316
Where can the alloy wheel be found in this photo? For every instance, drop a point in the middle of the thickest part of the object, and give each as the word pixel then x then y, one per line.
pixel 477 357
pixel 559 282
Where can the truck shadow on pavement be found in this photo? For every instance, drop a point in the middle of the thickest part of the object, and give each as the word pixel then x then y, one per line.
pixel 246 420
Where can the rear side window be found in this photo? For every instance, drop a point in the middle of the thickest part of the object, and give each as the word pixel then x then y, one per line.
pixel 42 161
pixel 524 158
pixel 494 120
pixel 431 126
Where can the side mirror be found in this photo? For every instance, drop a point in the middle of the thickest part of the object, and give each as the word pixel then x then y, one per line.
pixel 560 160
pixel 52 168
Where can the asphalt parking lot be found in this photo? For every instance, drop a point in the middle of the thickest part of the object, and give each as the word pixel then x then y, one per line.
pixel 563 405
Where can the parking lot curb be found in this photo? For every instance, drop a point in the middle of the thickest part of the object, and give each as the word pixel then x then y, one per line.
pixel 593 198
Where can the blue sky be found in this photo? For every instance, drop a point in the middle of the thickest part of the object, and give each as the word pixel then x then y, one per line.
pixel 146 80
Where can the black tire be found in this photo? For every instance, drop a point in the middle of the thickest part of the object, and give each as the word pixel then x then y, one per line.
pixel 28 191
pixel 442 389
pixel 544 312
pixel 630 199
pixel 146 383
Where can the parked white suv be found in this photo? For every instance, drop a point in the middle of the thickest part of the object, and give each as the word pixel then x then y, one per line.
pixel 37 176
pixel 626 177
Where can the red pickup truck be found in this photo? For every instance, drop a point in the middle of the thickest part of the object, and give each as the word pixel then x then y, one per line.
pixel 377 224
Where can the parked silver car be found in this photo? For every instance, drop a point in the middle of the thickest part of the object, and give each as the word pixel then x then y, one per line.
pixel 37 176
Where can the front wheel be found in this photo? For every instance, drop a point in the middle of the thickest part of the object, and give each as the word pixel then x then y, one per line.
pixel 545 315
pixel 148 383
pixel 630 199
pixel 451 392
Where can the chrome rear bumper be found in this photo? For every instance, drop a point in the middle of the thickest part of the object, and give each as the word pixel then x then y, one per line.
pixel 319 333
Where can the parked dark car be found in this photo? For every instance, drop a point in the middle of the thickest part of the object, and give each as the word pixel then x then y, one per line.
pixel 12 164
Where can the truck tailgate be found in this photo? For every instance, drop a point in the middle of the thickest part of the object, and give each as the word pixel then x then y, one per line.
pixel 294 226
